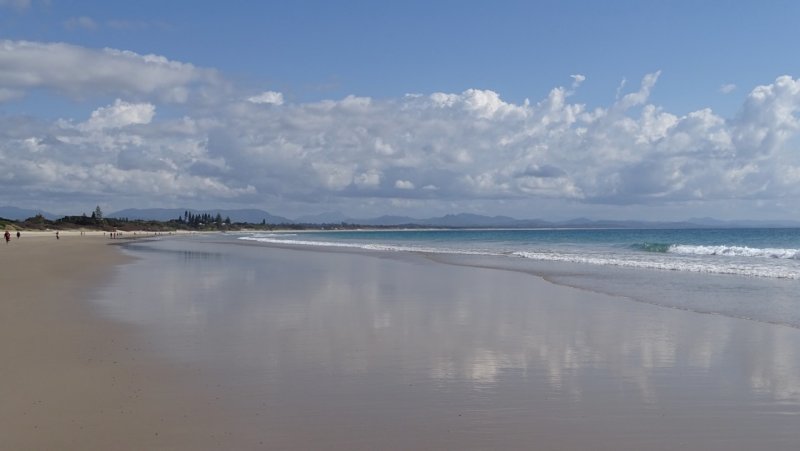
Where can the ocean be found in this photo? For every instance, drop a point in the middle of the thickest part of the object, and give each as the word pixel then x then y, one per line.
pixel 743 273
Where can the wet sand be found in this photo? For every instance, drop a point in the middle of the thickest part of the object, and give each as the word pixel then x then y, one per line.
pixel 216 344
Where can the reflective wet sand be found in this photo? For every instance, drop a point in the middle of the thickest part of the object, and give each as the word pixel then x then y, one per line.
pixel 303 349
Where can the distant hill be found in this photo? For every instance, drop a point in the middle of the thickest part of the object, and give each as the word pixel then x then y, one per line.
pixel 465 220
pixel 457 220
pixel 461 220
pixel 472 220
pixel 387 220
pixel 323 218
pixel 20 214
pixel 165 214
pixel 711 222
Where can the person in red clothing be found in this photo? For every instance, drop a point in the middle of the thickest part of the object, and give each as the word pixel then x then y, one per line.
pixel 8 236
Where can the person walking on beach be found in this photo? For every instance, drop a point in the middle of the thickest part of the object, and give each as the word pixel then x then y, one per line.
pixel 17 234
pixel 8 236
pixel 57 234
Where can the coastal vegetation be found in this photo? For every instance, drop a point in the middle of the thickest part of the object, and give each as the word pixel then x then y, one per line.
pixel 189 221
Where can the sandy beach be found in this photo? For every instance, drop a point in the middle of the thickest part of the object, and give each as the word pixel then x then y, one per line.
pixel 210 343
pixel 74 380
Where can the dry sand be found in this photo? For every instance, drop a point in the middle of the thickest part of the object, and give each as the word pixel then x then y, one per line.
pixel 70 379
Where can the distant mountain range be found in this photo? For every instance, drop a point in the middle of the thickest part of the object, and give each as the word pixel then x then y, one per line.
pixel 18 214
pixel 454 220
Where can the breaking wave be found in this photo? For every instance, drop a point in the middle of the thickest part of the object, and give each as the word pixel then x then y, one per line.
pixel 726 251
pixel 752 269
pixel 732 260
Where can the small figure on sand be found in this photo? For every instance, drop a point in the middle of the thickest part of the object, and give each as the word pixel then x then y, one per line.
pixel 8 236
pixel 17 234
pixel 57 234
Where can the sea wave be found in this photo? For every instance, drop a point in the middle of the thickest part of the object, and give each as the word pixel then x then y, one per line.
pixel 670 264
pixel 725 251
pixel 652 247
pixel 692 258
pixel 735 251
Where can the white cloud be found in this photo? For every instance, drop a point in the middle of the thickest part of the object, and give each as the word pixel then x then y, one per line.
pixel 267 97
pixel 621 86
pixel 768 118
pixel 469 148
pixel 369 179
pixel 606 155
pixel 333 176
pixel 82 72
pixel 727 88
pixel 483 104
pixel 120 114
pixel 639 97
pixel 403 184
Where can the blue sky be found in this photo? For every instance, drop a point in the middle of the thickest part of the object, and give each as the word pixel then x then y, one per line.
pixel 418 108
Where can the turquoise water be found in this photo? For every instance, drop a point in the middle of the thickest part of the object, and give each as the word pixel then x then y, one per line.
pixel 770 253
pixel 743 273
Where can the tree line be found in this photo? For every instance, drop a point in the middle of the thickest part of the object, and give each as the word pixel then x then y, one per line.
pixel 201 219
pixel 187 221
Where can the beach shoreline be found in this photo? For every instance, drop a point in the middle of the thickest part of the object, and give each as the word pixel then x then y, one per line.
pixel 197 344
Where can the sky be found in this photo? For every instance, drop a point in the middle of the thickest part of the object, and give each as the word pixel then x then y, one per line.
pixel 660 110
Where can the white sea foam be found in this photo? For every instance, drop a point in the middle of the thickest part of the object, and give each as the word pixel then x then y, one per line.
pixel 671 264
pixel 366 246
pixel 735 251
pixel 273 238
pixel 268 235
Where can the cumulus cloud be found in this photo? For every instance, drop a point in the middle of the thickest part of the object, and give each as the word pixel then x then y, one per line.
pixel 267 97
pixel 82 72
pixel 484 104
pixel 120 114
pixel 369 179
pixel 727 88
pixel 469 147
pixel 639 97
pixel 403 184
pixel 474 145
